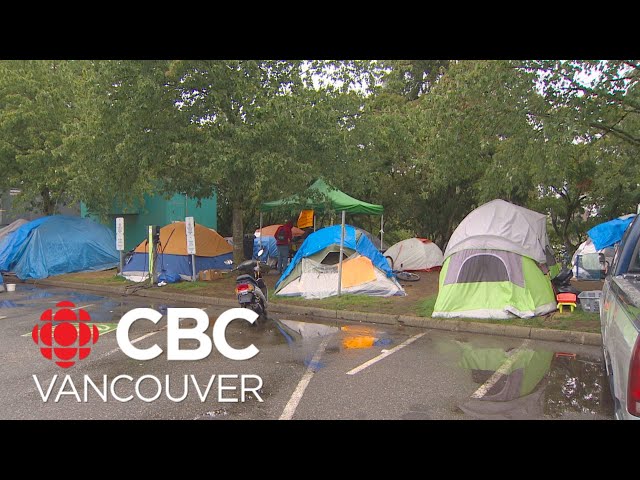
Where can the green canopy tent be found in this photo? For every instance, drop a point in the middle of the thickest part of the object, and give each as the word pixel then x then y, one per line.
pixel 320 196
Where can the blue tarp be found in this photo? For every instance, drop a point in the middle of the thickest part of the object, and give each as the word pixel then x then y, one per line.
pixel 175 264
pixel 58 244
pixel 270 248
pixel 319 240
pixel 609 233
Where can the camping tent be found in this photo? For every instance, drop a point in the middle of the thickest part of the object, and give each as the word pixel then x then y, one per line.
pixel 211 252
pixel 12 227
pixel 586 263
pixel 491 267
pixel 58 244
pixel 321 196
pixel 313 272
pixel 415 254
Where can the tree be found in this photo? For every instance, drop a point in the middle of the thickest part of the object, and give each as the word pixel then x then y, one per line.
pixel 36 107
pixel 256 130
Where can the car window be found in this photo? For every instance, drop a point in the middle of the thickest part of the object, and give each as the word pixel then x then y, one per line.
pixel 634 265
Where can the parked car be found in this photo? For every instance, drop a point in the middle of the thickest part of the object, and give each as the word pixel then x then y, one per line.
pixel 620 323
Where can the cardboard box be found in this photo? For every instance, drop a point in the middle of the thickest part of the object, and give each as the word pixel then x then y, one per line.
pixel 209 275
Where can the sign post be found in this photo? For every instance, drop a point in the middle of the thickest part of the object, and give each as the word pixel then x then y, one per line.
pixel 191 244
pixel 120 240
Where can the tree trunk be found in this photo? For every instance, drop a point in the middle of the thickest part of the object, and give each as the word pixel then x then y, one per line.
pixel 48 207
pixel 237 231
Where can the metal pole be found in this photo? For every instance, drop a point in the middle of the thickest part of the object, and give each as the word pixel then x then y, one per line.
pixel 341 250
pixel 260 239
pixel 121 261
pixel 381 230
pixel 151 250
pixel 193 267
pixel 314 221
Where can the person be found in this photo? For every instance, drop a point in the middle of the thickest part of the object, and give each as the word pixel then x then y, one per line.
pixel 283 242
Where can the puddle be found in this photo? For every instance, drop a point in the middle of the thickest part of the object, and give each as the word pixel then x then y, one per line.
pixel 527 384
pixel 9 304
pixel 38 295
pixel 577 386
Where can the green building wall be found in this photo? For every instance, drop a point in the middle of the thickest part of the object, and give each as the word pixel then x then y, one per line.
pixel 157 210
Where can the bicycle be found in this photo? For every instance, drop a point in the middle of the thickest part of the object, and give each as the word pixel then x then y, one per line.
pixel 401 274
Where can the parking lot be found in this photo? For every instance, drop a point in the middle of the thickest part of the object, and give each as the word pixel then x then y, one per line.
pixel 305 369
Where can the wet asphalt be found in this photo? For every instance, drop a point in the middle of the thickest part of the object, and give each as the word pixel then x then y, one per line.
pixel 309 368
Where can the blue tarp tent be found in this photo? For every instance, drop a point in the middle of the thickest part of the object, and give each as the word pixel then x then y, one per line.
pixel 609 233
pixel 58 244
pixel 312 275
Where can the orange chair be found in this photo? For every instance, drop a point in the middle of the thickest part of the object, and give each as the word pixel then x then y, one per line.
pixel 566 299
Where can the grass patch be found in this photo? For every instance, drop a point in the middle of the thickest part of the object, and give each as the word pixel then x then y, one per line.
pixel 578 320
pixel 424 308
pixel 343 302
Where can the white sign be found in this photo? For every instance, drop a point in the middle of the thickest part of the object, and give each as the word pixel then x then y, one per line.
pixel 120 233
pixel 191 236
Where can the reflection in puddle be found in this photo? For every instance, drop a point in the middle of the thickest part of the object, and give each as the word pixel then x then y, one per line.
pixel 304 338
pixel 525 383
pixel 38 295
pixel 9 304
pixel 579 386
pixel 294 328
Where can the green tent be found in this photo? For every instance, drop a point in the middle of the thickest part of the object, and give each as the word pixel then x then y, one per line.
pixel 495 265
pixel 319 196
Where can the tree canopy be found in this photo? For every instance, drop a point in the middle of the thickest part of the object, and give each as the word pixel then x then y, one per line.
pixel 428 139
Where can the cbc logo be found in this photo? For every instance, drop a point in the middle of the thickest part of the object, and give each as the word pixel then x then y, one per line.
pixel 65 342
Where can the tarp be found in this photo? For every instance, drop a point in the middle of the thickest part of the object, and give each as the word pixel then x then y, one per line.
pixel 500 225
pixel 56 245
pixel 319 240
pixel 310 273
pixel 270 231
pixel 12 227
pixel 211 252
pixel 173 241
pixel 321 196
pixel 609 233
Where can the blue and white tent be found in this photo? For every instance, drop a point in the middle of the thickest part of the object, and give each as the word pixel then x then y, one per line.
pixel 313 272
pixel 58 244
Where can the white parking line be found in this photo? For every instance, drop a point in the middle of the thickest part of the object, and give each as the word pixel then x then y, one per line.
pixel 290 408
pixel 385 354
pixel 135 340
pixel 2 316
pixel 503 370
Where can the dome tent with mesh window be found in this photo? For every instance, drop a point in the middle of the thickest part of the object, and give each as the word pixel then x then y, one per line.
pixel 495 264
pixel 313 272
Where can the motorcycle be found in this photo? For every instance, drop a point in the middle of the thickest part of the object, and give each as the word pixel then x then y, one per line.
pixel 251 289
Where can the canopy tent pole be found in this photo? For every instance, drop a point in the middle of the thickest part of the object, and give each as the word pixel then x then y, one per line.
pixel 381 230
pixel 341 251
pixel 260 239
pixel 314 221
